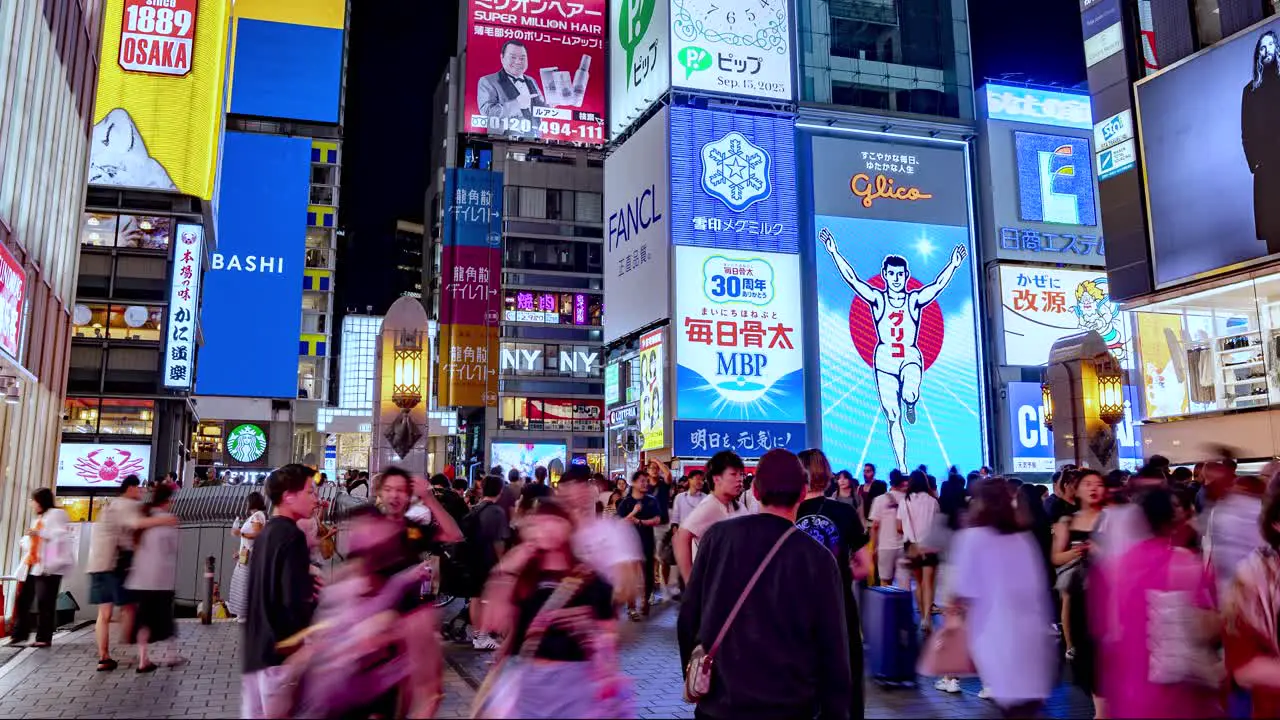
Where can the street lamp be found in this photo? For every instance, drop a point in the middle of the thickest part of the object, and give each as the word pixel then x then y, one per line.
pixel 406 387
pixel 1110 383
pixel 1046 400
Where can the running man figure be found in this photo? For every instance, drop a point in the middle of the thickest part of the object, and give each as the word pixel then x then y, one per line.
pixel 896 312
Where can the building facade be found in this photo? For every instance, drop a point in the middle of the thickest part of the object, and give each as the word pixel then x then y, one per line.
pixel 276 259
pixel 535 396
pixel 48 77
pixel 407 249
pixel 1200 281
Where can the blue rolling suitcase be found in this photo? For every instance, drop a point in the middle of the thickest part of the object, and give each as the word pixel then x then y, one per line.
pixel 889 627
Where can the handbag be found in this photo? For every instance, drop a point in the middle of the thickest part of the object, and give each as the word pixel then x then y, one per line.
pixel 1178 648
pixel 947 653
pixel 697 676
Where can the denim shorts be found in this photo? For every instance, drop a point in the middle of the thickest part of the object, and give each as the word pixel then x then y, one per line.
pixel 107 588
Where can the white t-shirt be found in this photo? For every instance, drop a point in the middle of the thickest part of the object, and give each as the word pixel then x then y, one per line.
pixel 708 513
pixel 604 544
pixel 884 510
pixel 684 504
pixel 1002 578
pixel 916 513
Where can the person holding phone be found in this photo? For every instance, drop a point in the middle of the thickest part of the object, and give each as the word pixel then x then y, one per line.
pixel 1072 544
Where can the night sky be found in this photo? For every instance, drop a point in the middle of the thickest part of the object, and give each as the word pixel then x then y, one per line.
pixel 398 50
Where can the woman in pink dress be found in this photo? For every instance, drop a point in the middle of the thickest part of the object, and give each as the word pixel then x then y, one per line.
pixel 1172 672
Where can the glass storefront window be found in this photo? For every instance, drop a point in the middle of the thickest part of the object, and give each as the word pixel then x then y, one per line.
pixel 1213 350
pixel 98 229
pixel 145 232
pixel 126 417
pixel 118 322
pixel 80 415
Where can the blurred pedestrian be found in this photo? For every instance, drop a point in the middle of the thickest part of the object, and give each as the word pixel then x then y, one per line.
pixel 1155 617
pixel 999 592
pixel 152 580
pixel 1233 532
pixel 561 657
pixel 111 550
pixel 779 657
pixel 248 532
pixel 47 555
pixel 916 515
pixel 886 531
pixel 282 593
pixel 1253 618
pixel 610 547
pixel 641 510
pixel 838 527
pixel 1072 546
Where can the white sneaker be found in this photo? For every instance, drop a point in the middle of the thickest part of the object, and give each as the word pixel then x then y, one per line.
pixel 485 642
pixel 985 694
pixel 948 685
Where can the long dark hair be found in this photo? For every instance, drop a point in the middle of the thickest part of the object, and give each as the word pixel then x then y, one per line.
pixel 918 482
pixel 1258 67
pixel 994 508
pixel 953 500
pixel 160 495
pixel 43 497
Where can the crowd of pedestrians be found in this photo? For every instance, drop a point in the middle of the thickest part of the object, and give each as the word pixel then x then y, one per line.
pixel 1157 593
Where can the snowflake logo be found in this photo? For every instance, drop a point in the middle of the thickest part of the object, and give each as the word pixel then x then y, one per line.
pixel 736 171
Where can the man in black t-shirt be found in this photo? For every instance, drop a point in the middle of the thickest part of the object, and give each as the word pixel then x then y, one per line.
pixel 642 510
pixel 838 527
pixel 534 490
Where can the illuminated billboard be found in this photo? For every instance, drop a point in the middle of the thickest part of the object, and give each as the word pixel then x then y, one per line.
pixel 1055 179
pixel 639 62
pixel 1031 442
pixel 653 397
pixel 1038 107
pixel 158 112
pixel 525 457
pixel 251 314
pixel 733 181
pixel 101 465
pixel 637 248
pixel 288 59
pixel 897 326
pixel 739 348
pixel 734 47
pixel 535 70
pixel 1040 306
pixel 470 308
pixel 184 302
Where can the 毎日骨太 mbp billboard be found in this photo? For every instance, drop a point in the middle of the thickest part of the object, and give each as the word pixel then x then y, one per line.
pixel 900 364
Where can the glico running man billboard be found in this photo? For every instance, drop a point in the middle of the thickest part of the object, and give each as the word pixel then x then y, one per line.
pixel 898 340
pixel 535 69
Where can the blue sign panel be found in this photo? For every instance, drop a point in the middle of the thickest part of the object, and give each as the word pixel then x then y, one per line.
pixel 733 181
pixel 1039 241
pixel 251 314
pixel 1039 107
pixel 695 438
pixel 1055 179
pixel 473 208
pixel 1032 443
pixel 285 70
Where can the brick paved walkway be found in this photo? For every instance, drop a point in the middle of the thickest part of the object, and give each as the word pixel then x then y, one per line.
pixel 650 655
pixel 62 683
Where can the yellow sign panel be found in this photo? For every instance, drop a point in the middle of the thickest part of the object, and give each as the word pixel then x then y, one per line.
pixel 653 416
pixel 158 113
pixel 465 377
pixel 1164 365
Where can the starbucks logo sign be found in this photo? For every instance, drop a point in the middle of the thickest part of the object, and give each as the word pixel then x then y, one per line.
pixel 246 443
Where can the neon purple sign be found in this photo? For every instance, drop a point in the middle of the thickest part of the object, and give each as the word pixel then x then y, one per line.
pixel 579 309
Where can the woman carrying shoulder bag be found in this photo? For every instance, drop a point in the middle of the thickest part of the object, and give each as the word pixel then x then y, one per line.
pixel 915 521
pixel 47 555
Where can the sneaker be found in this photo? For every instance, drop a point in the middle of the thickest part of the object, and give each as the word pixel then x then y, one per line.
pixel 985 693
pixel 485 642
pixel 947 685
pixel 909 409
pixel 1071 653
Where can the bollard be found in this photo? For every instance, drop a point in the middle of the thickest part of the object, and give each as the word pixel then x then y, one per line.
pixel 206 617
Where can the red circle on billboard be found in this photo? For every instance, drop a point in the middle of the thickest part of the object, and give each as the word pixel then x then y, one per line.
pixel 862 326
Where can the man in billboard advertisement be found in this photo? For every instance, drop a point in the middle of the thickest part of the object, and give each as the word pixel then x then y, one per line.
pixel 1259 107
pixel 529 70
pixel 898 362
pixel 1229 153
pixel 884 214
pixel 509 93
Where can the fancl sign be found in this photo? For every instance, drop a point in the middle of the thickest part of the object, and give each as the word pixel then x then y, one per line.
pixel 1038 107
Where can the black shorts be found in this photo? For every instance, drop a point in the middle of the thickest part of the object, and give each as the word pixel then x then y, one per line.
pixel 920 560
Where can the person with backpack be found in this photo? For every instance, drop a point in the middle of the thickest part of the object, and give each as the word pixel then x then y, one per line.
pixel 838 527
pixel 485 532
